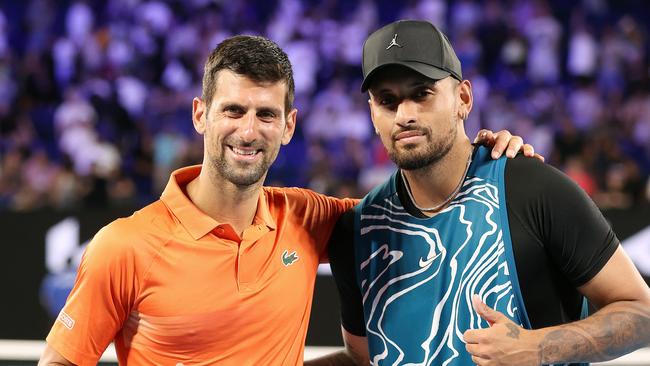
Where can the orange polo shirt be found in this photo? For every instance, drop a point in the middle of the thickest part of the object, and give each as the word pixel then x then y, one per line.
pixel 171 286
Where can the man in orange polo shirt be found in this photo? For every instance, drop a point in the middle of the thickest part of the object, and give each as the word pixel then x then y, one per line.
pixel 220 270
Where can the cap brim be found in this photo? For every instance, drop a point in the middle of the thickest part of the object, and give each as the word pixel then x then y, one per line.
pixel 424 69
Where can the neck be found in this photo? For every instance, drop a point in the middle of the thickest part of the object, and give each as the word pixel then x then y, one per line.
pixel 225 202
pixel 433 185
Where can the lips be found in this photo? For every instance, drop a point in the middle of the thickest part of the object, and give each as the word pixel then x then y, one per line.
pixel 407 134
pixel 244 152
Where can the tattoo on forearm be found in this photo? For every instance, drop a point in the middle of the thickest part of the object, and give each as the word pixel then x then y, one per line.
pixel 514 331
pixel 601 337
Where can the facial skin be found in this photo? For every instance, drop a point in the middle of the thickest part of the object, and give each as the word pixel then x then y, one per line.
pixel 418 119
pixel 243 126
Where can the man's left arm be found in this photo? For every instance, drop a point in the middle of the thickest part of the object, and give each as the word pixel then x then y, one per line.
pixel 582 245
pixel 621 326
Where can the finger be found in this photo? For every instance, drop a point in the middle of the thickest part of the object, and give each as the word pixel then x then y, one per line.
pixel 477 350
pixel 490 315
pixel 471 336
pixel 485 137
pixel 481 136
pixel 490 136
pixel 528 150
pixel 479 308
pixel 514 145
pixel 501 142
pixel 540 157
pixel 479 361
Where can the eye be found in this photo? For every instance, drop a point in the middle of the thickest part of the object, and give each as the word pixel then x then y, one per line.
pixel 386 100
pixel 234 111
pixel 421 94
pixel 266 116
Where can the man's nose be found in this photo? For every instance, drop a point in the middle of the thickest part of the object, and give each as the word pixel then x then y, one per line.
pixel 248 128
pixel 406 113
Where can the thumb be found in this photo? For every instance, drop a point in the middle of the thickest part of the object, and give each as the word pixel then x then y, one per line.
pixel 490 315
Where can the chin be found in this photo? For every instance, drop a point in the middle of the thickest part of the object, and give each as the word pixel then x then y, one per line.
pixel 415 161
pixel 241 175
pixel 244 179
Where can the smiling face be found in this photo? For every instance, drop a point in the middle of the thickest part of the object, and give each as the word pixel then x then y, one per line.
pixel 243 126
pixel 418 119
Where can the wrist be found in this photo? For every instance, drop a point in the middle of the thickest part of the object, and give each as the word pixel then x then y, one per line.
pixel 548 348
pixel 531 343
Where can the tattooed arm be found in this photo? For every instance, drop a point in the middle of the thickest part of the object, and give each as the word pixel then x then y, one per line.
pixel 622 325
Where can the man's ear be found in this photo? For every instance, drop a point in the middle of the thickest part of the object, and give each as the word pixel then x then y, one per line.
pixel 290 126
pixel 199 114
pixel 372 114
pixel 465 99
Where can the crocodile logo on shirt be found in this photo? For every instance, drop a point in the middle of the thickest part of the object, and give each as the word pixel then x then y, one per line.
pixel 289 259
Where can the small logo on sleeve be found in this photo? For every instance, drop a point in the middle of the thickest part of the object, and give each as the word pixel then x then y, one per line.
pixel 66 320
pixel 289 259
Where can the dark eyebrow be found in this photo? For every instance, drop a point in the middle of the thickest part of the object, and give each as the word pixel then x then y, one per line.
pixel 233 105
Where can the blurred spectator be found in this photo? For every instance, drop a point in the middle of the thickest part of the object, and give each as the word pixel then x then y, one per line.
pixel 576 170
pixel 568 141
pixel 544 34
pixel 38 174
pixel 434 11
pixel 169 149
pixel 121 191
pixel 583 51
pixel 616 193
pixel 11 178
pixel 65 190
pixel 95 97
pixel 585 107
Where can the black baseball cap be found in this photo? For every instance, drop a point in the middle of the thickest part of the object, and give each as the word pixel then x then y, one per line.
pixel 416 44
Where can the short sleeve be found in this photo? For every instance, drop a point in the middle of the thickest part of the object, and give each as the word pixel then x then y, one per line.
pixel 100 300
pixel 320 214
pixel 342 262
pixel 565 221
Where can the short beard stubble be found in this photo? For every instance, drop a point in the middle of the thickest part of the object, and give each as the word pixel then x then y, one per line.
pixel 409 158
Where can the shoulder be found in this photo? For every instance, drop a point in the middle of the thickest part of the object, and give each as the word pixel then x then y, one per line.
pixel 148 227
pixel 291 193
pixel 301 197
pixel 525 165
pixel 530 177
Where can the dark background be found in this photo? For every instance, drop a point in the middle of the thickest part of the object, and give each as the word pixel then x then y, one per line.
pixel 22 269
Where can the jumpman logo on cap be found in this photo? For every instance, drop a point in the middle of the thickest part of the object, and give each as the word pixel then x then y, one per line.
pixel 394 42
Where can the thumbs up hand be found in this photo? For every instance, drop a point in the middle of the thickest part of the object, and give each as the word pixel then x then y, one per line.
pixel 503 343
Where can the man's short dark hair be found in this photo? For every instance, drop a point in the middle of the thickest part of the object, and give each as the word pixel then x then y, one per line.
pixel 257 58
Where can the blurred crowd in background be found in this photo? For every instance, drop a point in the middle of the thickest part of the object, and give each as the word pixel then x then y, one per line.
pixel 95 96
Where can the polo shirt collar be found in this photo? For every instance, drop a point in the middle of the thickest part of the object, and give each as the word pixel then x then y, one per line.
pixel 195 221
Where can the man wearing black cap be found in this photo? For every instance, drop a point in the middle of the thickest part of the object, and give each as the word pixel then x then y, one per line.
pixel 460 259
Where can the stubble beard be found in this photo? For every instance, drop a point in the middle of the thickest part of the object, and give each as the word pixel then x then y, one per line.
pixel 414 157
pixel 242 175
